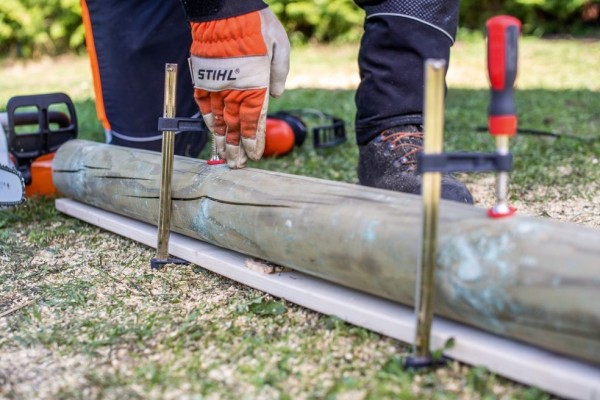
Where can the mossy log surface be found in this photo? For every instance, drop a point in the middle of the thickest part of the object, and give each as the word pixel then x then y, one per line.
pixel 529 279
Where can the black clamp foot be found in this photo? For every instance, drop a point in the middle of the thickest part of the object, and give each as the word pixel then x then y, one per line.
pixel 158 263
pixel 413 362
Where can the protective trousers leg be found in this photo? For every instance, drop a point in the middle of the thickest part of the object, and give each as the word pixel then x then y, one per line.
pixel 129 43
pixel 399 36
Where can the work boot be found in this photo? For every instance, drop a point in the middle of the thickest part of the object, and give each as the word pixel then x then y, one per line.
pixel 390 162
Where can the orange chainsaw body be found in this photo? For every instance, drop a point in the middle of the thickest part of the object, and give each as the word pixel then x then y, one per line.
pixel 41 177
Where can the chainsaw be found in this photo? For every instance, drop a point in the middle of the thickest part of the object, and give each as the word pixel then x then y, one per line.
pixel 31 130
pixel 12 185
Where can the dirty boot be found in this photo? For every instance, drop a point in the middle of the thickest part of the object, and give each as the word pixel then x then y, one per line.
pixel 390 162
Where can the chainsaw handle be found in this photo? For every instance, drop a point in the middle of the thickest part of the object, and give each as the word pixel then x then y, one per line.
pixel 45 139
pixel 32 118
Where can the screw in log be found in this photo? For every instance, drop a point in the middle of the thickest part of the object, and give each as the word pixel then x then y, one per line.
pixel 431 189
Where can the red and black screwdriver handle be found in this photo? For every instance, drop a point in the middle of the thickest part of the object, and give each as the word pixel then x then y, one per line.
pixel 502 47
pixel 502 44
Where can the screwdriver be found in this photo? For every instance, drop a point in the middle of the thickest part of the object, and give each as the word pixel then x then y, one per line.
pixel 502 50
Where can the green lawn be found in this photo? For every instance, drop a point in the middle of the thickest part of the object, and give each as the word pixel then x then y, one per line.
pixel 82 315
pixel 558 83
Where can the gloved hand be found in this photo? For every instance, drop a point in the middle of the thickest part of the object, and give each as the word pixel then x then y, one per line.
pixel 236 63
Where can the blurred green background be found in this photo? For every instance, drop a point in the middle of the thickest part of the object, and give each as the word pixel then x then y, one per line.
pixel 30 28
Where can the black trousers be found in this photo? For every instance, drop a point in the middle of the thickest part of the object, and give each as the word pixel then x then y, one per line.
pixel 129 43
pixel 399 36
pixel 134 40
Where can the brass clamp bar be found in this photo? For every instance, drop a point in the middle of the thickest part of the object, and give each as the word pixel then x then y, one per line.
pixel 435 71
pixel 166 177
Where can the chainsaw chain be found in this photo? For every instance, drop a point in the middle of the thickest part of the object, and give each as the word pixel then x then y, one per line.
pixel 16 172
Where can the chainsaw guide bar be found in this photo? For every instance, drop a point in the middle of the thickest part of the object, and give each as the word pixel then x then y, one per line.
pixel 12 187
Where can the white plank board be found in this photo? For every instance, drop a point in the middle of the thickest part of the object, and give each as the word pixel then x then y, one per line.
pixel 520 362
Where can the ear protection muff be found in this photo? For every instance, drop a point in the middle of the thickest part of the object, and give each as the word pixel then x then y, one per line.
pixel 279 138
pixel 288 128
pixel 284 130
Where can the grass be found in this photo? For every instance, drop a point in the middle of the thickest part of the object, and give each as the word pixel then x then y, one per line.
pixel 87 318
pixel 103 325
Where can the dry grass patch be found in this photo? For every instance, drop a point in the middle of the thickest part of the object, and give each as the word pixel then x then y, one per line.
pixel 102 324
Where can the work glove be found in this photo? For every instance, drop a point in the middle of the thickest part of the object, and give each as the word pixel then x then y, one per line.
pixel 236 63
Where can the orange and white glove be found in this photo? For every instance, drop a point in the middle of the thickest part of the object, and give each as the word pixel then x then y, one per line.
pixel 236 63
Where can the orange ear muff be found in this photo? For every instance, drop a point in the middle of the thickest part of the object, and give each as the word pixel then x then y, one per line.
pixel 279 138
pixel 283 132
pixel 296 123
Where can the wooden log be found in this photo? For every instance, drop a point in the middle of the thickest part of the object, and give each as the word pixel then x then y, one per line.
pixel 529 279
